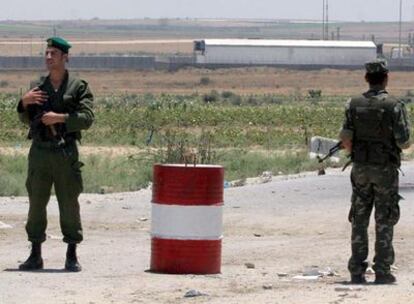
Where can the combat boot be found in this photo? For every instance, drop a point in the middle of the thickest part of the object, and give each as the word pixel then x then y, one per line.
pixel 34 261
pixel 358 279
pixel 384 278
pixel 72 263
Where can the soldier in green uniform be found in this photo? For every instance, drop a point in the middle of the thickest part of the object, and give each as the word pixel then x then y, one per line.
pixel 374 132
pixel 57 107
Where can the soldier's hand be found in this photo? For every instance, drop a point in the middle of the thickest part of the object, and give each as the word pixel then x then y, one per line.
pixel 347 145
pixel 34 96
pixel 51 118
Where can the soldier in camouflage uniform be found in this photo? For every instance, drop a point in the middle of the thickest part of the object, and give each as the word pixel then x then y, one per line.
pixel 57 108
pixel 374 132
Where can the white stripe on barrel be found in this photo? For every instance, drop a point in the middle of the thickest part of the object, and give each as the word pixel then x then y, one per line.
pixel 187 222
pixel 187 216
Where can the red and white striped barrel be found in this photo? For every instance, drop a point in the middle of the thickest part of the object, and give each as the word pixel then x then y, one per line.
pixel 187 219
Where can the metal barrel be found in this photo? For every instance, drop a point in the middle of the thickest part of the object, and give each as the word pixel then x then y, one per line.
pixel 187 219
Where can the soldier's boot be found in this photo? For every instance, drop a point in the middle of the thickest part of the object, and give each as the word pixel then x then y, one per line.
pixel 72 263
pixel 358 279
pixel 384 278
pixel 34 261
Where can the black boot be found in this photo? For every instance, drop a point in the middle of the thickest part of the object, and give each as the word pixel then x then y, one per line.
pixel 384 278
pixel 34 261
pixel 72 263
pixel 358 279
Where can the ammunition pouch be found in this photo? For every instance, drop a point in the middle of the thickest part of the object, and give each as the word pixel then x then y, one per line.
pixel 375 153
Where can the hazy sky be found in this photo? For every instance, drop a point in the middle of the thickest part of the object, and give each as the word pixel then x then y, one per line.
pixel 349 10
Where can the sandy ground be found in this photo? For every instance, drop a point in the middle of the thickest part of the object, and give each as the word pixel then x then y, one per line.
pixel 286 226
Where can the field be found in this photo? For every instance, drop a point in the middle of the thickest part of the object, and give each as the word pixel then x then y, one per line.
pixel 248 134
pixel 242 81
pixel 250 120
pixel 138 37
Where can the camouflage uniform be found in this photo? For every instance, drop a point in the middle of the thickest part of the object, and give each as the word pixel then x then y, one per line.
pixel 378 126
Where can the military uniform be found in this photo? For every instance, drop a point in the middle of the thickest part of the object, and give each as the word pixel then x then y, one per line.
pixel 50 164
pixel 377 125
pixel 54 159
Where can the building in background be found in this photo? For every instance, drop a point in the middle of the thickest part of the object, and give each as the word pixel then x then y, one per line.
pixel 301 53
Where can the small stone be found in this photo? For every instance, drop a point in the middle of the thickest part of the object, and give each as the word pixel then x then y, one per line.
pixel 238 183
pixel 328 272
pixel 143 219
pixel 312 271
pixel 88 202
pixel 105 190
pixel 369 271
pixel 126 208
pixel 267 286
pixel 194 293
pixel 54 237
pixel 266 177
pixel 5 226
pixel 12 197
pixel 257 235
pixel 250 265
pixel 282 274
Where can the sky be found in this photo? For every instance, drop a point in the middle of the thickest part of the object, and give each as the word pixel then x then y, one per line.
pixel 339 10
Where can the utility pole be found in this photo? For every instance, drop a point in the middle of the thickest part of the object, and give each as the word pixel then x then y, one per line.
pixel 399 33
pixel 327 20
pixel 323 20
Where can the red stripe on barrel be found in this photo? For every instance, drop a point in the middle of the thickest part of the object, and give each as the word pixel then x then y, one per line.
pixel 185 256
pixel 191 186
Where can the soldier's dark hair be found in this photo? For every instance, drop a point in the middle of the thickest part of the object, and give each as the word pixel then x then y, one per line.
pixel 376 78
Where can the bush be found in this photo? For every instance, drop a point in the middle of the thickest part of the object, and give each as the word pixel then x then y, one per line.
pixel 213 96
pixel 205 80
pixel 4 84
pixel 315 93
pixel 236 100
pixel 227 94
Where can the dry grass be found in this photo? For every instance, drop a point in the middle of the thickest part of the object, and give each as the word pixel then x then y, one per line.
pixel 240 81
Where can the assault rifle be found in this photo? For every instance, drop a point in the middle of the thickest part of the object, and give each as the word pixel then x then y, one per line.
pixel 39 130
pixel 331 152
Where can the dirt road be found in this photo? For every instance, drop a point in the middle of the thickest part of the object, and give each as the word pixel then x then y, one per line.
pixel 285 228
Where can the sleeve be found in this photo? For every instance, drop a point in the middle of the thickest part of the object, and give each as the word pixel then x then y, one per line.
pixel 83 116
pixel 24 114
pixel 347 131
pixel 401 126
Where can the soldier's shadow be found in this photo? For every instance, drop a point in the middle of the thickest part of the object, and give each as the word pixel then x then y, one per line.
pixel 46 270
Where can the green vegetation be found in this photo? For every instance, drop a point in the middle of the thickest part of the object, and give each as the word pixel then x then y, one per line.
pixel 102 174
pixel 261 133
pixel 266 121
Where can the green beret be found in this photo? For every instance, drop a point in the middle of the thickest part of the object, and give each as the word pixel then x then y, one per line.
pixel 59 43
pixel 376 66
